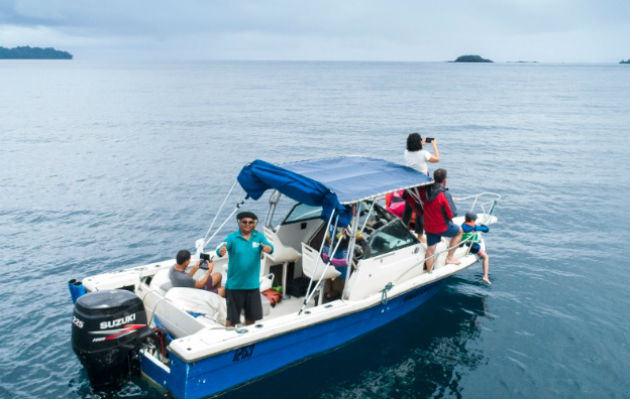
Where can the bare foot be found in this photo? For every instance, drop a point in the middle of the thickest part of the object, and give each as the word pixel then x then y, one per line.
pixel 452 261
pixel 485 279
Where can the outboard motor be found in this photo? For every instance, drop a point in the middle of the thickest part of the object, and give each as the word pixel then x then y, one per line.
pixel 107 330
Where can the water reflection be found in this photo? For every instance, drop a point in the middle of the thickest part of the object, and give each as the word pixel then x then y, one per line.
pixel 136 387
pixel 424 354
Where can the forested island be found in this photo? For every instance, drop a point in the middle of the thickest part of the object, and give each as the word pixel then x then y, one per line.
pixel 33 53
pixel 625 61
pixel 472 58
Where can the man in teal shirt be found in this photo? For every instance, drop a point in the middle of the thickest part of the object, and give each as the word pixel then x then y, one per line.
pixel 245 248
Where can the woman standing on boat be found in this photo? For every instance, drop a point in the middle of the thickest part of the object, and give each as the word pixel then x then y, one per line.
pixel 417 158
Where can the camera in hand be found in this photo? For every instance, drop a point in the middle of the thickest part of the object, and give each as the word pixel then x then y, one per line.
pixel 428 139
pixel 204 258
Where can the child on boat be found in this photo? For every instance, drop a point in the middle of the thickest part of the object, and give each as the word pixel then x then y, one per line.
pixel 471 238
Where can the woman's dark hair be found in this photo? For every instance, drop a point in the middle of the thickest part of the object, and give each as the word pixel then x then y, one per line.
pixel 182 256
pixel 414 142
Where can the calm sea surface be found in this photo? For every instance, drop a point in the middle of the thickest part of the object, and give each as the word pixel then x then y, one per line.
pixel 105 166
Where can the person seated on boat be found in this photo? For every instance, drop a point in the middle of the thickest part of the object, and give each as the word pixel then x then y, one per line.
pixel 180 278
pixel 439 210
pixel 242 288
pixel 417 158
pixel 334 287
pixel 471 238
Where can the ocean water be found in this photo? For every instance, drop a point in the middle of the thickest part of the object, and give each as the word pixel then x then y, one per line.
pixel 105 166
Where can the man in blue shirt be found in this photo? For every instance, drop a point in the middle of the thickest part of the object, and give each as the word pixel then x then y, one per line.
pixel 245 248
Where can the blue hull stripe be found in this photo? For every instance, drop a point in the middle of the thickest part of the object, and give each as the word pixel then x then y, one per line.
pixel 215 374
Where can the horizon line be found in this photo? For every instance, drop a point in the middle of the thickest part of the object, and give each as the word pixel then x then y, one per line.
pixel 149 59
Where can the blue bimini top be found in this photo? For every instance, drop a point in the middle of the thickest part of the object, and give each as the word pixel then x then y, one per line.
pixel 332 183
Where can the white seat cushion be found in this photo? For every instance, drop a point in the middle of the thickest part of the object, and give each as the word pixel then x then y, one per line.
pixel 313 265
pixel 281 253
pixel 161 281
pixel 199 301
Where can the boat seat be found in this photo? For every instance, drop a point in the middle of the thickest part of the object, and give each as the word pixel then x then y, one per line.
pixel 183 311
pixel 176 321
pixel 161 282
pixel 199 301
pixel 281 253
pixel 313 265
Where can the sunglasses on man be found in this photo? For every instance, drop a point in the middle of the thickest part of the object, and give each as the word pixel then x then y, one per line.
pixel 247 221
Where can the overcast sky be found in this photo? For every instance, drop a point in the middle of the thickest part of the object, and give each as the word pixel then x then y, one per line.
pixel 404 30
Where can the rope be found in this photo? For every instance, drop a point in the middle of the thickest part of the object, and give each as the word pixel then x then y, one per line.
pixel 387 288
pixel 238 205
pixel 220 209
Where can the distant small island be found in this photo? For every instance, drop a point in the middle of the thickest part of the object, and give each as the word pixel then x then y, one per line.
pixel 33 53
pixel 625 61
pixel 472 58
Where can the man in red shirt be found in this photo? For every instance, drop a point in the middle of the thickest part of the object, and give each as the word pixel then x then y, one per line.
pixel 439 210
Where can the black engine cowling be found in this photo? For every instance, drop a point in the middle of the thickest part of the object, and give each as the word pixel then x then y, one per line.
pixel 107 330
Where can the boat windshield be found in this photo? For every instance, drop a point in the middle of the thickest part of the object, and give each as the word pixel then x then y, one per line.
pixel 301 212
pixel 390 237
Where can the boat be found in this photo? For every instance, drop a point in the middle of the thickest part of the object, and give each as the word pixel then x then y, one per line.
pixel 132 321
